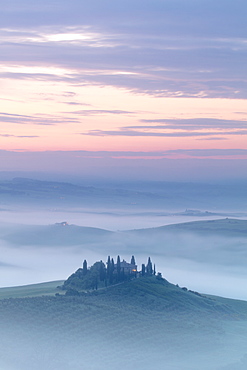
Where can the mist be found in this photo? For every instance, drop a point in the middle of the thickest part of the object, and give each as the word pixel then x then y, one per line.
pixel 196 236
pixel 124 218
pixel 41 249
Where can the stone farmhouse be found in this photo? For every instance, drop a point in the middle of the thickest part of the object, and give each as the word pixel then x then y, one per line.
pixel 128 268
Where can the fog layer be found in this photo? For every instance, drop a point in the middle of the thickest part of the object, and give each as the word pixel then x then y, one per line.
pixel 207 257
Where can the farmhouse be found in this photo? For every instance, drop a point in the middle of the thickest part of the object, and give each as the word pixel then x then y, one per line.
pixel 127 268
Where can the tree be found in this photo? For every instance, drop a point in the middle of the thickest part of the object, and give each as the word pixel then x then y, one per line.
pixel 108 271
pixel 102 272
pixel 118 269
pixel 84 268
pixel 112 267
pixel 154 270
pixel 143 269
pixel 149 267
pixel 94 275
pixel 133 262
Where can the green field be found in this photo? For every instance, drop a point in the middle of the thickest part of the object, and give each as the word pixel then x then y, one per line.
pixel 32 290
pixel 145 323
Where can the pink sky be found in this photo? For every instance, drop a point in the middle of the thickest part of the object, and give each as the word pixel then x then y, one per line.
pixel 96 82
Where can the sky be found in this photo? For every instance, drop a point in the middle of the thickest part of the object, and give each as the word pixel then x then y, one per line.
pixel 144 86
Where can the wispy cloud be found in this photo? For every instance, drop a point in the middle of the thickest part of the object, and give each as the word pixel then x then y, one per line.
pixel 163 48
pixel 163 153
pixel 211 129
pixel 76 103
pixel 60 156
pixel 19 136
pixel 125 132
pixel 93 112
pixel 194 123
pixel 203 127
pixel 211 152
pixel 41 119
pixel 212 138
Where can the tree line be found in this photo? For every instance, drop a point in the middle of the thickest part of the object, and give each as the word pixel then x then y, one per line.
pixel 101 275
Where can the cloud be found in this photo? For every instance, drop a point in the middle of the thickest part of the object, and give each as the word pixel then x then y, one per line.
pixel 101 162
pixel 89 167
pixel 211 152
pixel 92 112
pixel 172 16
pixel 41 119
pixel 164 153
pixel 22 119
pixel 126 132
pixel 76 103
pixel 74 156
pixel 197 127
pixel 19 136
pixel 167 48
pixel 213 138
pixel 194 123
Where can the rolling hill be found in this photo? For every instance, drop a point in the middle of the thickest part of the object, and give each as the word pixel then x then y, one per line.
pixel 226 226
pixel 61 234
pixel 143 323
pixel 166 196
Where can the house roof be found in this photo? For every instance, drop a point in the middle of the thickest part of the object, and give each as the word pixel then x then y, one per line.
pixel 125 264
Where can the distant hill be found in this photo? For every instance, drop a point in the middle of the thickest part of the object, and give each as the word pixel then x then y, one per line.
pixel 226 226
pixel 62 234
pixel 56 235
pixel 146 322
pixel 150 195
pixel 30 192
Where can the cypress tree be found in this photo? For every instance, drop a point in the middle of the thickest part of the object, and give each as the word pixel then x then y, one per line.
pixel 154 270
pixel 133 262
pixel 149 267
pixel 84 268
pixel 143 269
pixel 112 267
pixel 108 271
pixel 102 271
pixel 118 269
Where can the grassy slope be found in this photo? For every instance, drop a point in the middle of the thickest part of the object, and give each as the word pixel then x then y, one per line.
pixel 32 290
pixel 226 226
pixel 143 322
pixel 156 292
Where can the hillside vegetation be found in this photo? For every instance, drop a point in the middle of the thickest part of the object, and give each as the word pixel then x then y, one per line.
pixel 144 322
pixel 32 290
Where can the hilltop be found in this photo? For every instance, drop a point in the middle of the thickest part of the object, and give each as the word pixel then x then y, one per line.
pixel 152 293
pixel 146 322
